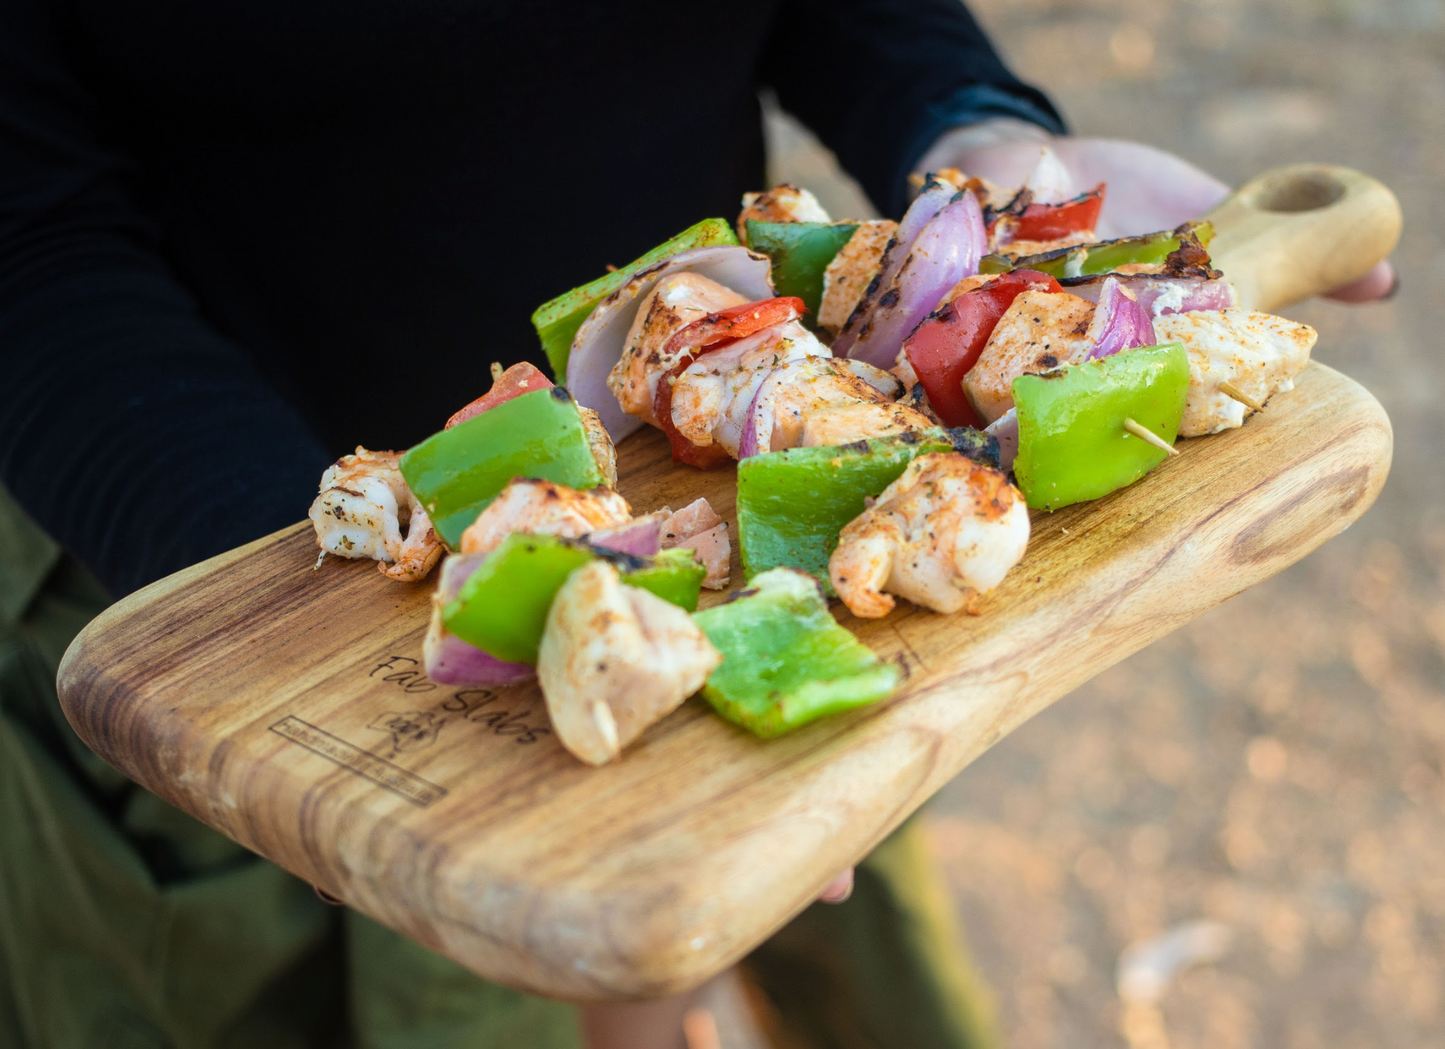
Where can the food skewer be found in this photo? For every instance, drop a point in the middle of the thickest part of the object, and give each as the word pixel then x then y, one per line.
pixel 1148 436
pixel 1234 392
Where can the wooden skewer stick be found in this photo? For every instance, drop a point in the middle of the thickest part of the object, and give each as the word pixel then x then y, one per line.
pixel 1149 436
pixel 496 370
pixel 1230 390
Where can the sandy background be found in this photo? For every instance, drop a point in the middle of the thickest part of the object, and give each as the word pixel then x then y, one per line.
pixel 1276 767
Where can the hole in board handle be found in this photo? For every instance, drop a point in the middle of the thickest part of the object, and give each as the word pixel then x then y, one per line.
pixel 1307 192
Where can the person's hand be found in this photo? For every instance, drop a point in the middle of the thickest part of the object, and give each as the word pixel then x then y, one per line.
pixel 839 889
pixel 1149 189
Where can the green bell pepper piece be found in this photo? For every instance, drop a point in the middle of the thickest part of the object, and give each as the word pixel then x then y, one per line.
pixel 1090 260
pixel 1072 441
pixel 557 321
pixel 457 472
pixel 792 504
pixel 502 608
pixel 800 252
pixel 786 661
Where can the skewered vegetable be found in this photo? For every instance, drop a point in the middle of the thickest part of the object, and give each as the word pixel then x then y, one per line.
pixel 786 661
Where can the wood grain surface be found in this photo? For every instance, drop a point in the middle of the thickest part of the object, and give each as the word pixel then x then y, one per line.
pixel 287 707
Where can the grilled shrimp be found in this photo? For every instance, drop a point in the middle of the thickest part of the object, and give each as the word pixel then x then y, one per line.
pixel 362 507
pixel 946 530
pixel 613 660
pixel 543 508
pixel 782 203
pixel 676 302
pixel 848 275
pixel 1259 353
pixel 1040 331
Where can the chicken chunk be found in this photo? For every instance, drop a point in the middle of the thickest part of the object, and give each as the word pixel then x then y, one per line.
pixel 698 528
pixel 782 203
pixel 946 530
pixel 1259 353
pixel 543 508
pixel 847 277
pixel 599 441
pixel 677 301
pixel 615 659
pixel 1040 331
pixel 363 505
pixel 710 399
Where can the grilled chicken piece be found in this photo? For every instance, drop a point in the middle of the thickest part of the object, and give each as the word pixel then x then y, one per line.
pixel 782 203
pixel 362 507
pixel 698 528
pixel 710 399
pixel 674 303
pixel 613 660
pixel 543 508
pixel 946 530
pixel 852 269
pixel 1259 353
pixel 600 443
pixel 1041 330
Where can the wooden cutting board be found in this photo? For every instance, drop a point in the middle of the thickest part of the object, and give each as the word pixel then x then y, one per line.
pixel 288 708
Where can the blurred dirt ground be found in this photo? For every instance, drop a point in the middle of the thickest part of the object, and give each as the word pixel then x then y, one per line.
pixel 1276 767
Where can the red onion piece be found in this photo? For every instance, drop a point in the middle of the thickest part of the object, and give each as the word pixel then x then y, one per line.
pixel 448 659
pixel 598 344
pixel 1119 322
pixel 1161 295
pixel 948 249
pixel 919 214
pixel 1006 429
pixel 641 537
pixel 759 419
pixel 451 661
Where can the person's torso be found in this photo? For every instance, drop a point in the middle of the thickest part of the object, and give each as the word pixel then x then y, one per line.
pixel 373 196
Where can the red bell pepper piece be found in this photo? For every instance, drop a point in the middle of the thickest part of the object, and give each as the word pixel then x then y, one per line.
pixel 948 342
pixel 704 335
pixel 515 381
pixel 1056 221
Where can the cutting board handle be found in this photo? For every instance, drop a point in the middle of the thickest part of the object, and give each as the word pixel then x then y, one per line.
pixel 1299 231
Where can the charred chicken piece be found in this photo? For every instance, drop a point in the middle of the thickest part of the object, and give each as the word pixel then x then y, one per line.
pixel 1040 331
pixel 847 277
pixel 948 529
pixel 782 203
pixel 539 507
pixel 615 659
pixel 676 302
pixel 1258 353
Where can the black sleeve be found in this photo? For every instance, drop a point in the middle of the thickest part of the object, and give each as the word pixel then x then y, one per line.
pixel 133 433
pixel 880 80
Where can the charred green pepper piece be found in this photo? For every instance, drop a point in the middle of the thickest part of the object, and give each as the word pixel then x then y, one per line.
pixel 457 472
pixel 800 252
pixel 502 608
pixel 792 504
pixel 1073 444
pixel 1087 260
pixel 786 661
pixel 557 321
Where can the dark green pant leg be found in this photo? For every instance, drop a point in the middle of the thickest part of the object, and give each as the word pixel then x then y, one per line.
pixel 886 970
pixel 405 997
pixel 123 923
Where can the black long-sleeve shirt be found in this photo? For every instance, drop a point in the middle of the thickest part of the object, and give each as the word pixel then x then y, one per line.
pixel 239 237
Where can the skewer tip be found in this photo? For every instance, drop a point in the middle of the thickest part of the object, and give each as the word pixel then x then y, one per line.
pixel 1234 392
pixel 1148 436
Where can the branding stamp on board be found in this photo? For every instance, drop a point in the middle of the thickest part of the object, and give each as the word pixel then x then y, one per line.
pixel 352 758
